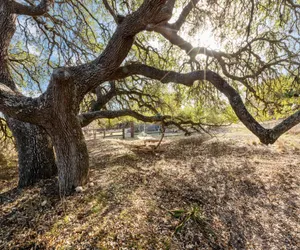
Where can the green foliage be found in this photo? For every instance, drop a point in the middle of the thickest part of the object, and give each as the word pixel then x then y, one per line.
pixel 281 97
pixel 193 214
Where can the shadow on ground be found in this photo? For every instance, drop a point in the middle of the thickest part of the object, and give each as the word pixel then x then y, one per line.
pixel 196 193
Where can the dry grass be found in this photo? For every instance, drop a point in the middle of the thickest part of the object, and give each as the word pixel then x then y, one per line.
pixel 229 192
pixel 8 163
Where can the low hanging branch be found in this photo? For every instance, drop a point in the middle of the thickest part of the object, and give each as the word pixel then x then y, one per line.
pixel 266 136
pixel 86 118
pixel 98 108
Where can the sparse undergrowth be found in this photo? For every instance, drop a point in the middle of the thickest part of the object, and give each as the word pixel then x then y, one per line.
pixel 229 192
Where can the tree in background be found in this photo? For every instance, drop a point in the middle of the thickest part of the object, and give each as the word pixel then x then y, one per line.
pixel 153 53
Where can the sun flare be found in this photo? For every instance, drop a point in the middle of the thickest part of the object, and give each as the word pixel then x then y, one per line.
pixel 204 38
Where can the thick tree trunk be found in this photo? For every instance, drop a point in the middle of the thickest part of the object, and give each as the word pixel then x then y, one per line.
pixel 71 154
pixel 36 159
pixel 35 152
pixel 65 130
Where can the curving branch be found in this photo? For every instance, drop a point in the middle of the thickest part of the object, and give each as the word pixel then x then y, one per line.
pixel 87 118
pixel 266 136
pixel 18 106
pixel 166 120
pixel 294 5
pixel 183 15
pixel 89 75
pixel 122 94
pixel 110 10
pixel 171 34
pixel 32 10
pixel 103 98
pixel 229 62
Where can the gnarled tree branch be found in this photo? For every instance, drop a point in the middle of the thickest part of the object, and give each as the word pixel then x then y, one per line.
pixel 18 106
pixel 183 15
pixel 89 75
pixel 266 136
pixel 38 10
pixel 87 118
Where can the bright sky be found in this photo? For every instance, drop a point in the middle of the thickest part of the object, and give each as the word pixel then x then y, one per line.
pixel 204 39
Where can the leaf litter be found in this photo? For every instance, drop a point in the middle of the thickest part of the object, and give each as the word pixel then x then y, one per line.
pixel 227 192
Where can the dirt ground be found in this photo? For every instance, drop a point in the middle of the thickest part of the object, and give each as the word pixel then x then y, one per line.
pixel 199 192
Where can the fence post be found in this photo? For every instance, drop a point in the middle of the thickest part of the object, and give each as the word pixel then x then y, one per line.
pixel 123 131
pixel 132 129
pixel 94 132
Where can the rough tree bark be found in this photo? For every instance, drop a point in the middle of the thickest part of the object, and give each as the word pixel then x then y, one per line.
pixel 36 159
pixel 66 133
pixel 71 152
pixel 35 151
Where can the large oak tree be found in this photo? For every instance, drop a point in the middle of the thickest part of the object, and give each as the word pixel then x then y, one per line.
pixel 153 42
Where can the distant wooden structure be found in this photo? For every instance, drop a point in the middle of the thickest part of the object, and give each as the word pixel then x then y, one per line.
pixel 126 130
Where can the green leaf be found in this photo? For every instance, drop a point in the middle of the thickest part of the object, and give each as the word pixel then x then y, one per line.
pixel 177 213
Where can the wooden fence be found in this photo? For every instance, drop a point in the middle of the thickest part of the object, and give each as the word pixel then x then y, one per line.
pixel 125 132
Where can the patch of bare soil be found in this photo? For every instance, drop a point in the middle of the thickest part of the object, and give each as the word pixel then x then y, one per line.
pixel 228 192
